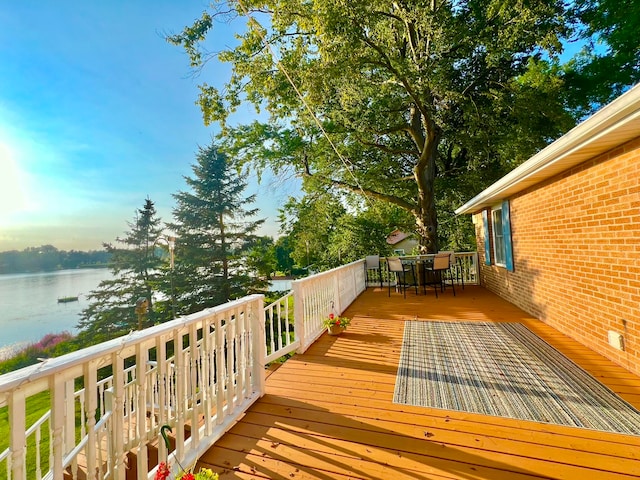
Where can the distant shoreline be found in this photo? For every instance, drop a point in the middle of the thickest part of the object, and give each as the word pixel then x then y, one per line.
pixel 87 267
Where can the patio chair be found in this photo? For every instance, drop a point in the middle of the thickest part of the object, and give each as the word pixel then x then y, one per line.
pixel 455 268
pixel 435 274
pixel 372 266
pixel 404 274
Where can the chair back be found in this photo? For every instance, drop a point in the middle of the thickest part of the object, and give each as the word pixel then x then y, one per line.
pixel 394 264
pixel 452 255
pixel 441 261
pixel 372 262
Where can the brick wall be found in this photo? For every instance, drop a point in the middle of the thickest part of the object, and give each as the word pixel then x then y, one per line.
pixel 576 247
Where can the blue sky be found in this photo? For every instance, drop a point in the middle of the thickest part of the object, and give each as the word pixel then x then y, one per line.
pixel 97 112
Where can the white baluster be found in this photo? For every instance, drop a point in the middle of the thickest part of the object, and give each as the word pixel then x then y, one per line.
pixel 162 394
pixel 141 407
pixel 118 412
pixel 219 369
pixel 195 374
pixel 258 351
pixel 17 427
pixel 180 378
pixel 298 315
pixel 91 405
pixel 207 379
pixel 59 400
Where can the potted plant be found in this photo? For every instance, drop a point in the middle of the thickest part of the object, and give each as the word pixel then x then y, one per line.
pixel 336 324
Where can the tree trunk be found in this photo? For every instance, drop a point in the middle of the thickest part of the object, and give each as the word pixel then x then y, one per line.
pixel 425 175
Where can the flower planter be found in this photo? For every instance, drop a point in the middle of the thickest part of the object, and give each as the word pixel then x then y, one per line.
pixel 334 330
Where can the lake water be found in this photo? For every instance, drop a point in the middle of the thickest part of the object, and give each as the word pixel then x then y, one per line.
pixel 29 307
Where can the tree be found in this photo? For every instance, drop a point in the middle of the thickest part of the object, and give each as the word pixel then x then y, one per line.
pixel 135 266
pixel 261 257
pixel 609 62
pixel 215 231
pixel 407 92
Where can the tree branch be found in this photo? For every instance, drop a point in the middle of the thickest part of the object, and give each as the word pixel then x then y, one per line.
pixel 387 149
pixel 409 206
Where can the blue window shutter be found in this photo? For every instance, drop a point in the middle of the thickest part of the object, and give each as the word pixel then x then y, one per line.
pixel 506 232
pixel 487 240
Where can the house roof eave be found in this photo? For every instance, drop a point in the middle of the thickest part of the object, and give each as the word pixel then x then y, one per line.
pixel 613 125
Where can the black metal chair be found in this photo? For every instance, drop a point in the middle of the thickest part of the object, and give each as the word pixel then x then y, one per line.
pixel 404 273
pixel 372 269
pixel 455 268
pixel 435 274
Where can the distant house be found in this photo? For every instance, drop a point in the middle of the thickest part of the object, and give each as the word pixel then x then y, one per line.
pixel 402 243
pixel 559 236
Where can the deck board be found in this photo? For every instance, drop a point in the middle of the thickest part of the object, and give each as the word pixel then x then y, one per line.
pixel 328 414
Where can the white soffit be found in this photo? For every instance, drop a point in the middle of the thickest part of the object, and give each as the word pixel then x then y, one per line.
pixel 613 125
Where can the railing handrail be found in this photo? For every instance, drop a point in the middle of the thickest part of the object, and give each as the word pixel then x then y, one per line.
pixel 318 275
pixel 12 380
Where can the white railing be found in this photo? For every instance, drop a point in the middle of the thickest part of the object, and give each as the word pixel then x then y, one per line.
pixel 317 296
pixel 468 262
pixel 201 371
pixel 204 369
pixel 280 328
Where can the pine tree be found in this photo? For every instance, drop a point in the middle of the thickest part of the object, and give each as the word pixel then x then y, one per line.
pixel 215 232
pixel 135 267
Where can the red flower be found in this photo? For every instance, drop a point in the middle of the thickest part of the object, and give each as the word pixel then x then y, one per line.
pixel 331 315
pixel 337 322
pixel 163 472
pixel 188 476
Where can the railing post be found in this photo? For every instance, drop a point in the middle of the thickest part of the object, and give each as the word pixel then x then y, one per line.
pixel 336 294
pixel 69 439
pixel 58 401
pixel 117 415
pixel 298 316
pixel 91 406
pixel 259 344
pixel 17 426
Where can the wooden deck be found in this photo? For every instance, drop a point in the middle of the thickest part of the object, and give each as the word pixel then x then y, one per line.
pixel 328 414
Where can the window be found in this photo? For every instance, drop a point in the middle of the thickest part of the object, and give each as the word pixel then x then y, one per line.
pixel 399 251
pixel 498 235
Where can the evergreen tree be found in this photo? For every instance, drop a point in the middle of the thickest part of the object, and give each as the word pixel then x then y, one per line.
pixel 215 231
pixel 135 267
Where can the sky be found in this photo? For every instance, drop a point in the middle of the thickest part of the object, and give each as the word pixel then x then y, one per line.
pixel 97 113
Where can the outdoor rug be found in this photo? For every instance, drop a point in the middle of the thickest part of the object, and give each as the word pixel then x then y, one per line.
pixel 503 369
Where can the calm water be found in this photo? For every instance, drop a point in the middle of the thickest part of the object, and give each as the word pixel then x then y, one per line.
pixel 29 307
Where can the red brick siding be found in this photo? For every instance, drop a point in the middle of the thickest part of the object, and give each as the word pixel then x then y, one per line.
pixel 576 247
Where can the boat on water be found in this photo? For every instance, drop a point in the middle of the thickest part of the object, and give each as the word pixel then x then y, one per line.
pixel 68 299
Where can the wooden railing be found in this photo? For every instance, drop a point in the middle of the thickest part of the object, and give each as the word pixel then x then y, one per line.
pixel 197 374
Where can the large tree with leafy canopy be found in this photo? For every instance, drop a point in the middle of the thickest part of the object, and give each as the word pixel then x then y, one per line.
pixel 390 97
pixel 215 231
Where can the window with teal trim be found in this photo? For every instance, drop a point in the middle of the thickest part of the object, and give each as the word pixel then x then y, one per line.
pixel 501 236
pixel 498 236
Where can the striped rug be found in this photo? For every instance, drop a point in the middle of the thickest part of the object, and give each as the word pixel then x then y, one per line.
pixel 503 369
